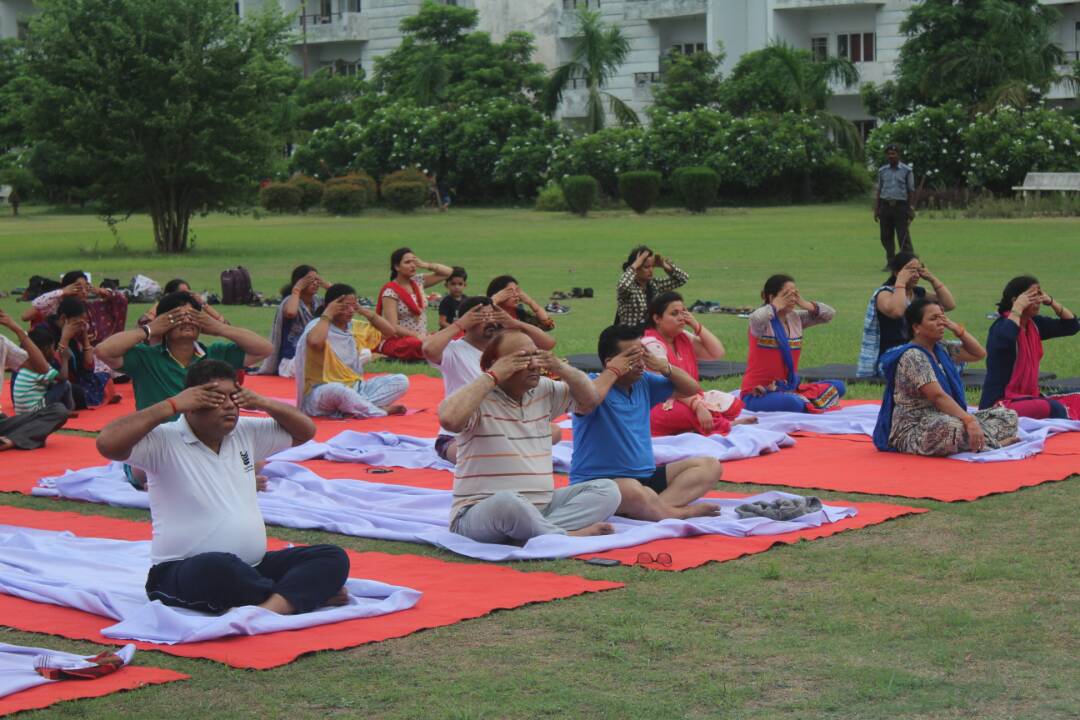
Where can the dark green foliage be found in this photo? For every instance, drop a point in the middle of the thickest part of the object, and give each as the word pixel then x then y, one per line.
pixel 689 81
pixel 580 192
pixel 281 197
pixel 345 198
pixel 640 189
pixel 840 179
pixel 357 179
pixel 405 196
pixel 443 60
pixel 311 191
pixel 324 99
pixel 171 108
pixel 696 187
pixel 976 52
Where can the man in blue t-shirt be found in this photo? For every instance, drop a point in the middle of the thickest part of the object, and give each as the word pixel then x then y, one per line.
pixel 614 440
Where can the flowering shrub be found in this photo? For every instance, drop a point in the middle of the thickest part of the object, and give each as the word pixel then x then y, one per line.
pixel 759 151
pixel 525 160
pixel 1004 145
pixel 604 155
pixel 930 142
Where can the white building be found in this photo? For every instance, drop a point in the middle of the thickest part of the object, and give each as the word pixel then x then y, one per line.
pixel 348 34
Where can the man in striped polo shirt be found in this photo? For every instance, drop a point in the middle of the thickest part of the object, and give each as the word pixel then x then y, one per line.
pixel 504 490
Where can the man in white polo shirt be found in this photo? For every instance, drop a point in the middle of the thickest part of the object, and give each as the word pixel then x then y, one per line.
pixel 209 540
pixel 504 490
pixel 456 349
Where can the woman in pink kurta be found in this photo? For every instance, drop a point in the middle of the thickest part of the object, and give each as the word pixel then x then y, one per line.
pixel 666 335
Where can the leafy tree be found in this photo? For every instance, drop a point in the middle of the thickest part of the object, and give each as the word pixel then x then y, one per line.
pixel 977 52
pixel 779 78
pixel 325 98
pixel 441 61
pixel 11 129
pixel 172 105
pixel 688 82
pixel 599 53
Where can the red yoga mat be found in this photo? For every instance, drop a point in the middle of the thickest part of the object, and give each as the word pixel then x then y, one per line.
pixel 20 470
pixel 846 463
pixel 128 678
pixel 452 592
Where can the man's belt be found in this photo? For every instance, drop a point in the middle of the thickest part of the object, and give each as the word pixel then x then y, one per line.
pixel 893 203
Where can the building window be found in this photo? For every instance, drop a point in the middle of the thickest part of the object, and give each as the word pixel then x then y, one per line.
pixel 687 48
pixel 819 47
pixel 644 79
pixel 575 4
pixel 856 47
pixel 353 6
pixel 346 67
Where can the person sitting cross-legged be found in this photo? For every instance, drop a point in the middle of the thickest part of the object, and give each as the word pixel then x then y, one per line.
pixel 613 440
pixel 330 359
pixel 504 490
pixel 26 430
pixel 209 541
pixel 456 349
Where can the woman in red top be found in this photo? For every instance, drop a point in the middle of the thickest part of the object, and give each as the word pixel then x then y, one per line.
pixel 666 336
pixel 771 382
pixel 402 302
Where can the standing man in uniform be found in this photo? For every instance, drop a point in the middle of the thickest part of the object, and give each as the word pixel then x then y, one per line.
pixel 894 204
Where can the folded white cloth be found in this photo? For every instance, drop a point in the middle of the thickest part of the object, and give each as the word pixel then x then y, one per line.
pixel 108 578
pixel 299 498
pixel 18 665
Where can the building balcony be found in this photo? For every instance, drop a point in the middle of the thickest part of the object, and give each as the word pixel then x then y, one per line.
pixel 663 9
pixel 814 4
pixel 869 72
pixel 333 27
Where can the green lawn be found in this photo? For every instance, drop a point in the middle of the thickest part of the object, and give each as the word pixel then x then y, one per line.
pixel 971 610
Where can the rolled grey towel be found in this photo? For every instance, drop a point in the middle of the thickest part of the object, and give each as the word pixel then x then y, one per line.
pixel 783 509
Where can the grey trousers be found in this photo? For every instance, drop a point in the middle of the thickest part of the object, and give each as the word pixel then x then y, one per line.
pixel 29 430
pixel 507 515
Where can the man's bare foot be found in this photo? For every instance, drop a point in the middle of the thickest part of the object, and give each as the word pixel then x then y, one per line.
pixel 698 510
pixel 749 420
pixel 1010 441
pixel 341 597
pixel 278 603
pixel 5 444
pixel 395 410
pixel 600 528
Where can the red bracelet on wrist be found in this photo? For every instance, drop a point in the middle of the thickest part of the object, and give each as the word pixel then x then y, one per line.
pixel 614 371
pixel 493 376
pixel 172 404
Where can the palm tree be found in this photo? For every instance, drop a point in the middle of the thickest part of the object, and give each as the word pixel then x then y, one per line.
pixel 601 50
pixel 808 85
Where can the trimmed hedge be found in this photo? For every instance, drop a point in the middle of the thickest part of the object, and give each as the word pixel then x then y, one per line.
pixel 696 187
pixel 311 191
pixel 580 192
pixel 345 198
pixel 405 196
pixel 280 197
pixel 640 189
pixel 551 199
pixel 360 179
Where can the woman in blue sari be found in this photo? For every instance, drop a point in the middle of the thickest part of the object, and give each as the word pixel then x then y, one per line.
pixel 924 409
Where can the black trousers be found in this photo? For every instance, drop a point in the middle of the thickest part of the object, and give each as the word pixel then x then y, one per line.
pixel 29 430
pixel 214 582
pixel 894 219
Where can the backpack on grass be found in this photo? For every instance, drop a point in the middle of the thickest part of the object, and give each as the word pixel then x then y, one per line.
pixel 236 286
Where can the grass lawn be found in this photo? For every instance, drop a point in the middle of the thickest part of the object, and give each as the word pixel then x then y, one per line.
pixel 971 610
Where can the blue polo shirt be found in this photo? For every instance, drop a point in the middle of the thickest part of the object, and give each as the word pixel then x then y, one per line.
pixel 615 439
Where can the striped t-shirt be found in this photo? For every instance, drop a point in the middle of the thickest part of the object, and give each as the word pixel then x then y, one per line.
pixel 506 445
pixel 28 394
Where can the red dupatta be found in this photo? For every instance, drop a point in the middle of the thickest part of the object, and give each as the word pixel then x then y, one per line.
pixel 1024 382
pixel 415 301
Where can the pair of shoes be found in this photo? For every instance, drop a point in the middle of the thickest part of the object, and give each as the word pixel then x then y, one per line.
pixel 365 302
pixel 581 292
pixel 559 295
pixel 557 308
pixel 701 306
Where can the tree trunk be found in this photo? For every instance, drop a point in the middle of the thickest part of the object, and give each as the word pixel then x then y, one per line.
pixel 171 216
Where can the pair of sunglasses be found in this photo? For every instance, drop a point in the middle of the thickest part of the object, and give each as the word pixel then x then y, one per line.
pixel 663 559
